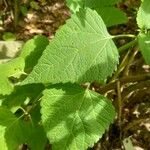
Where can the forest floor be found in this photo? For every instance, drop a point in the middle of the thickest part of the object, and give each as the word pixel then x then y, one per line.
pixel 133 126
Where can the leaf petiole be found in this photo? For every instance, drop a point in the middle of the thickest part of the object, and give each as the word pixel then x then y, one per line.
pixel 124 35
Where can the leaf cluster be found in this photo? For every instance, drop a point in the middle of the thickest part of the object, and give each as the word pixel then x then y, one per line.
pixel 41 92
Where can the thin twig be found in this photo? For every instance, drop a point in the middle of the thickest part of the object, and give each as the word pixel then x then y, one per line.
pixel 126 71
pixel 119 106
pixel 134 87
pixel 127 46
pixel 124 80
pixel 121 66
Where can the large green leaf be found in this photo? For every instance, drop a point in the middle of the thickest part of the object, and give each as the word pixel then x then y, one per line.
pixel 15 131
pixel 32 51
pixel 75 118
pixel 106 8
pixel 81 51
pixel 144 42
pixel 13 68
pixel 143 16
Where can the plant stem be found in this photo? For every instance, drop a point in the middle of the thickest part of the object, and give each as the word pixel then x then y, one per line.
pixel 119 106
pixel 124 80
pixel 135 123
pixel 126 70
pixel 121 66
pixel 134 87
pixel 16 13
pixel 124 35
pixel 128 45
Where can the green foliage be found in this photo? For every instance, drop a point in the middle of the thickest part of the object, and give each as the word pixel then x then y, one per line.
pixel 82 51
pixel 75 5
pixel 8 36
pixel 144 42
pixel 22 96
pixel 109 13
pixel 24 10
pixel 143 15
pixel 32 51
pixel 75 118
pixel 34 5
pixel 13 68
pixel 15 131
pixel 10 127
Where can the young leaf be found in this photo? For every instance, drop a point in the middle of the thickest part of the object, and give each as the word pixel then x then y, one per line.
pixel 144 42
pixel 81 51
pixel 143 15
pixel 32 50
pixel 75 118
pixel 13 68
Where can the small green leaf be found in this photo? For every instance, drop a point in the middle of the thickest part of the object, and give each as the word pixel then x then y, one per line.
pixel 143 15
pixel 24 10
pixel 144 42
pixel 32 50
pixel 82 51
pixel 8 36
pixel 75 118
pixel 34 5
pixel 13 68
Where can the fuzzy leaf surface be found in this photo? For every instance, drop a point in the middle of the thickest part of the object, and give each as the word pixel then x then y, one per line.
pixel 82 51
pixel 143 16
pixel 144 42
pixel 75 118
